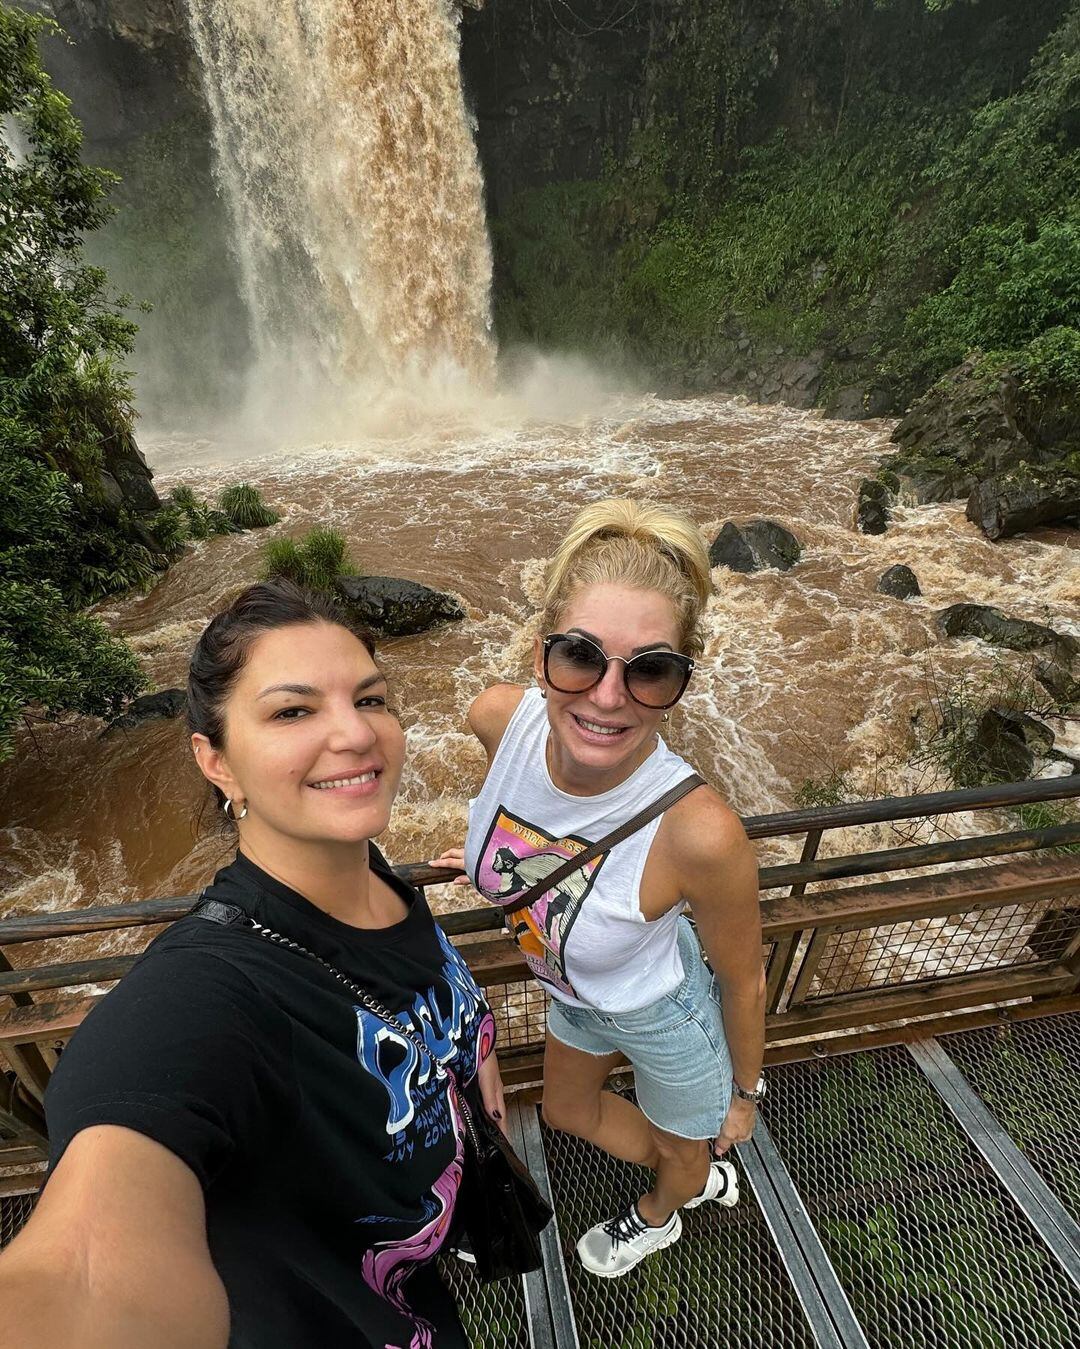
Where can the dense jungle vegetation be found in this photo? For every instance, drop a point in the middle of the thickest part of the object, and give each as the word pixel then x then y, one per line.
pixel 891 182
pixel 64 393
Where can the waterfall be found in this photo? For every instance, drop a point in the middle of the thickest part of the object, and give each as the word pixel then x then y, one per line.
pixel 345 153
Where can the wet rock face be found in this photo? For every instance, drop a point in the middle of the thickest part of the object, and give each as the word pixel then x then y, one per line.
pixel 1059 681
pixel 756 546
pixel 984 438
pixel 1017 634
pixel 900 582
pixel 1010 742
pixel 1023 498
pixel 397 608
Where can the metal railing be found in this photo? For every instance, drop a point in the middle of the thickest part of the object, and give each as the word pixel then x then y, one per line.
pixel 839 960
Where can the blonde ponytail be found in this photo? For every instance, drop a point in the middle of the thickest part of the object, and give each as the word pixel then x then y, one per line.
pixel 636 544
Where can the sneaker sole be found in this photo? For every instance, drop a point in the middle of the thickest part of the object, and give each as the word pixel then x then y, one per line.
pixel 669 1240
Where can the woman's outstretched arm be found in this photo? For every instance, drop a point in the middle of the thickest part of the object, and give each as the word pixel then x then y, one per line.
pixel 115 1255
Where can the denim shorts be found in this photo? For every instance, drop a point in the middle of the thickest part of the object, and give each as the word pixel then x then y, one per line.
pixel 682 1070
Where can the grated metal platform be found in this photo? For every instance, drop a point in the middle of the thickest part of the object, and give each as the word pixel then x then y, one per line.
pixel 879 1208
pixel 1028 1075
pixel 930 1248
pixel 723 1284
pixel 493 1314
pixel 14 1211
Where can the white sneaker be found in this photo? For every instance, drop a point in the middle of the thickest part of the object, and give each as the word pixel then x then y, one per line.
pixel 721 1185
pixel 614 1247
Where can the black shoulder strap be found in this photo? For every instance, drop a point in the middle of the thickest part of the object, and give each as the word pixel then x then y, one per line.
pixel 216 912
pixel 583 858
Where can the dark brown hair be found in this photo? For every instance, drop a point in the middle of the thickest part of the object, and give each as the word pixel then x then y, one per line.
pixel 222 650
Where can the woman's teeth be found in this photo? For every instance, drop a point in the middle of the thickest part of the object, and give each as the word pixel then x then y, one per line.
pixel 599 730
pixel 346 782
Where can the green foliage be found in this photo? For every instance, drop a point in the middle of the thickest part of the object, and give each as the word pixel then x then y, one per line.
pixel 57 661
pixel 958 739
pixel 316 561
pixel 64 395
pixel 201 519
pixel 244 506
pixel 834 789
pixel 925 199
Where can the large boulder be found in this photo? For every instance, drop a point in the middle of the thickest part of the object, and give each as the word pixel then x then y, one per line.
pixel 1018 634
pixel 164 705
pixel 1059 681
pixel 755 546
pixel 900 582
pixel 1009 743
pixel 847 403
pixel 1022 498
pixel 968 427
pixel 397 608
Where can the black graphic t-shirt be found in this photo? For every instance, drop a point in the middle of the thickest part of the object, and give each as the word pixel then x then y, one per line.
pixel 328 1149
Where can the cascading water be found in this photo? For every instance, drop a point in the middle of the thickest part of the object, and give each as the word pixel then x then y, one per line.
pixel 345 152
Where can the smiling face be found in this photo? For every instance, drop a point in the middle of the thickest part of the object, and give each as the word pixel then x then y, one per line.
pixel 310 746
pixel 600 736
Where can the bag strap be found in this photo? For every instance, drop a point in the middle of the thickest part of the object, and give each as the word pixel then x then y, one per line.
pixel 594 850
pixel 230 915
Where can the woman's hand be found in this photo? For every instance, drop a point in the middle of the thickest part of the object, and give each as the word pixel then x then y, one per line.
pixel 453 859
pixel 737 1127
pixel 491 1090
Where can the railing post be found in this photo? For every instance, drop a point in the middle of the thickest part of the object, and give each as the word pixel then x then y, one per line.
pixel 27 1061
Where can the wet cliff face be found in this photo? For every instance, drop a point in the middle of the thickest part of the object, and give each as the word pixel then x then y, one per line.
pixel 128 67
pixel 553 91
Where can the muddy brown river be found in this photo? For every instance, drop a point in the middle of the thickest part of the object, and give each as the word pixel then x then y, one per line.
pixel 803 671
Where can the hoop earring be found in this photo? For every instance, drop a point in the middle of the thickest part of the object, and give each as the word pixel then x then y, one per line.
pixel 231 814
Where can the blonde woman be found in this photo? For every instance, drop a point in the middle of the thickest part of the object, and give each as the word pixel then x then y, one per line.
pixel 568 762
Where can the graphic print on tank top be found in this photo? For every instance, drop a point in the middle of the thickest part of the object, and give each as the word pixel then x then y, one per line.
pixel 514 857
pixel 454 1023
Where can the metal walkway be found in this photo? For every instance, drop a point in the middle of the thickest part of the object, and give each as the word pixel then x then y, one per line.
pixel 894 1198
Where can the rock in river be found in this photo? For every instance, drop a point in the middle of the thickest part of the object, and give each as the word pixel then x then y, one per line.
pixel 900 582
pixel 1018 634
pixel 755 546
pixel 397 608
pixel 1023 498
pixel 160 706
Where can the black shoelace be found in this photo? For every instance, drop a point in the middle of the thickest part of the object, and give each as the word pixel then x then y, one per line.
pixel 626 1226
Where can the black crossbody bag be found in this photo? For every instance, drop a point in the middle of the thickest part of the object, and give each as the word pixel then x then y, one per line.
pixel 499 1204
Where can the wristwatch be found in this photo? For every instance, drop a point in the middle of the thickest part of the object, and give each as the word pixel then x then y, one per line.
pixel 755 1095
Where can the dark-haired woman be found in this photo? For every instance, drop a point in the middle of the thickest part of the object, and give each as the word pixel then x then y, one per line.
pixel 242 1152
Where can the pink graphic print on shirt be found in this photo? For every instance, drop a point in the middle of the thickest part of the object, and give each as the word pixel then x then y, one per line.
pixel 515 856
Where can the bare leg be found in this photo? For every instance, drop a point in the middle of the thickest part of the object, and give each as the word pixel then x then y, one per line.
pixel 575 1102
pixel 681 1174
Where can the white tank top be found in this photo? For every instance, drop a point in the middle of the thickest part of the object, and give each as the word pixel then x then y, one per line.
pixel 587 940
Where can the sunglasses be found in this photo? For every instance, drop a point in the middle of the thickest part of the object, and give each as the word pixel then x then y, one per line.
pixel 655 679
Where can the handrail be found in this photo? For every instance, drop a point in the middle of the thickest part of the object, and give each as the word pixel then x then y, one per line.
pixel 886 808
pixel 142 913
